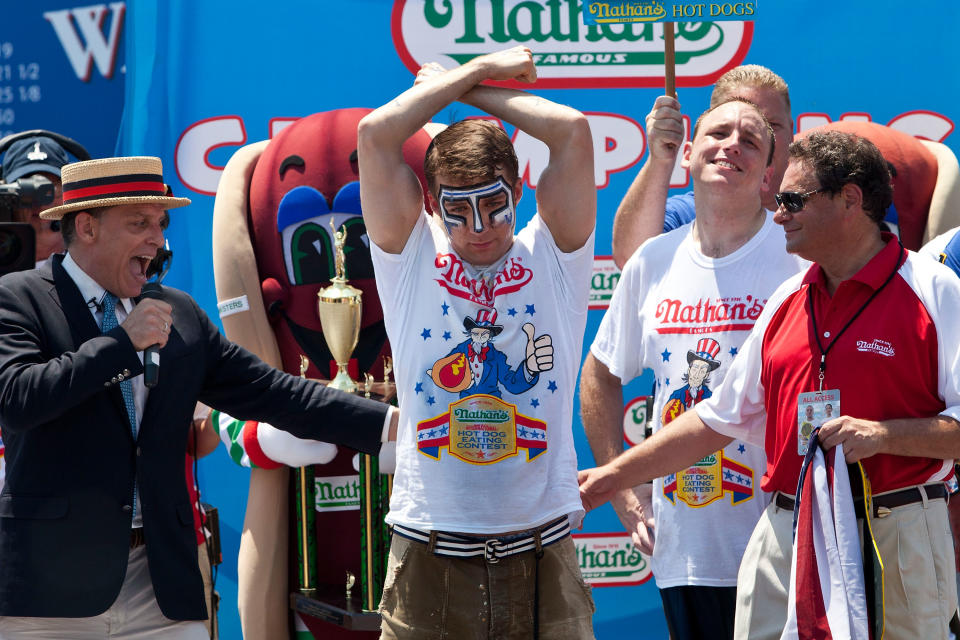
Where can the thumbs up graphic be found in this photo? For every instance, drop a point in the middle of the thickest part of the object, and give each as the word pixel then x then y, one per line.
pixel 539 355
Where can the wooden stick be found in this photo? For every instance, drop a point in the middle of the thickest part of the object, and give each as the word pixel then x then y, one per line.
pixel 669 60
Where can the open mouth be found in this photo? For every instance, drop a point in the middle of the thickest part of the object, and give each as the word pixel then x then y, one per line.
pixel 139 266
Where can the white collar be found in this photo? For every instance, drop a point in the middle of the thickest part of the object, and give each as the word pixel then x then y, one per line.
pixel 90 290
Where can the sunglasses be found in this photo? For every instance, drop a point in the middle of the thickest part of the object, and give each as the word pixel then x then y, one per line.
pixel 794 201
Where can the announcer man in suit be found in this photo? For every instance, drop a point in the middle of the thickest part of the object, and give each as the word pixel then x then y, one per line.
pixel 96 532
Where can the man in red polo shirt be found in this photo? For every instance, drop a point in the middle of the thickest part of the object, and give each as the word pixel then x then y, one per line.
pixel 873 328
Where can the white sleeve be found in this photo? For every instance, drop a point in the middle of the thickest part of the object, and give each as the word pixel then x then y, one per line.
pixel 619 341
pixel 939 289
pixel 737 408
pixel 573 269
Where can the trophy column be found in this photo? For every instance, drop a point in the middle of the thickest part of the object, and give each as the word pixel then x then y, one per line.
pixel 339 308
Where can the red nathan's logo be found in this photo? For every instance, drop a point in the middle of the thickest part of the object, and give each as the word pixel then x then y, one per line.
pixel 708 315
pixel 511 277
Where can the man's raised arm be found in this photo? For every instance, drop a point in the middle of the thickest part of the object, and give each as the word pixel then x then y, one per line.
pixel 391 195
pixel 641 212
pixel 566 192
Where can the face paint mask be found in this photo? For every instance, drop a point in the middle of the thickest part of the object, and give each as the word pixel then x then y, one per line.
pixel 463 206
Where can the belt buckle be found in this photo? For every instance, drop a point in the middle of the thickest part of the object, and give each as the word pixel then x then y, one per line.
pixel 491 548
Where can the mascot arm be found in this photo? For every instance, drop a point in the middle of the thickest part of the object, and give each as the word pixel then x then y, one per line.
pixel 239 296
pixel 261 445
pixel 261 567
pixel 945 202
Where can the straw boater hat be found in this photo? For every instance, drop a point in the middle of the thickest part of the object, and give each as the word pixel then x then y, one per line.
pixel 111 181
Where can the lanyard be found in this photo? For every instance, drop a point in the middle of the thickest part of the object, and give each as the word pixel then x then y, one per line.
pixel 813 315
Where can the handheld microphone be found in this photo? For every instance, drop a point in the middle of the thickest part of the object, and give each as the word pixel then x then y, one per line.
pixel 159 266
pixel 151 355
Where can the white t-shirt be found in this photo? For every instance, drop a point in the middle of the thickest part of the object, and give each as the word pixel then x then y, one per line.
pixel 936 245
pixel 483 446
pixel 684 315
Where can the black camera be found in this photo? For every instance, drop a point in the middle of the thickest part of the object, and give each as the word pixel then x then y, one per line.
pixel 30 191
pixel 18 249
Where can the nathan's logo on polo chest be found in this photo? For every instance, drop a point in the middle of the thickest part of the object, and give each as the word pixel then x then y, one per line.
pixel 482 429
pixel 568 53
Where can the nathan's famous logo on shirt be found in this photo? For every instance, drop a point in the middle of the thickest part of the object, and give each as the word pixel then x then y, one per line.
pixel 512 276
pixel 481 429
pixel 708 315
pixel 708 479
pixel 880 347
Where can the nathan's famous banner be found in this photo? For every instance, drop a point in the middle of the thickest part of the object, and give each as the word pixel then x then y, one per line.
pixel 203 79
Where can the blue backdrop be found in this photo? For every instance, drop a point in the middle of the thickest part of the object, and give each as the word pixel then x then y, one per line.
pixel 203 78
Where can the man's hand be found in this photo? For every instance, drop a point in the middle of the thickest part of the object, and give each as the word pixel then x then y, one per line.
pixel 597 486
pixel 634 507
pixel 509 64
pixel 429 71
pixel 861 438
pixel 539 355
pixel 149 323
pixel 665 129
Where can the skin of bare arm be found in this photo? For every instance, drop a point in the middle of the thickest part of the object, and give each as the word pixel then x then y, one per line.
pixel 601 409
pixel 687 440
pixel 641 212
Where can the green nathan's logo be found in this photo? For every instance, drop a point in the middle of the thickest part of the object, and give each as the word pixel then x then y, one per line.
pixel 610 560
pixel 568 52
pixel 604 280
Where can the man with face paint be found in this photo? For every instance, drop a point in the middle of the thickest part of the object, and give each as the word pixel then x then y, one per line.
pixel 486 328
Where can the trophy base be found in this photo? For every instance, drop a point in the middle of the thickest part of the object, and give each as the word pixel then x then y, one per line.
pixel 333 607
pixel 342 380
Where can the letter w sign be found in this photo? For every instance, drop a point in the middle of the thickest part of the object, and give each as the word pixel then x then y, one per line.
pixel 96 46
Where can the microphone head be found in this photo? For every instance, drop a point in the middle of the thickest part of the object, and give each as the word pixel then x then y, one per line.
pixel 151 290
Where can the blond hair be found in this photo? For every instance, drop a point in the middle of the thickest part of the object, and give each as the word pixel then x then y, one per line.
pixel 748 75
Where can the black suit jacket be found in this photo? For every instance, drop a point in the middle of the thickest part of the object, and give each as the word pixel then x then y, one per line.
pixel 65 510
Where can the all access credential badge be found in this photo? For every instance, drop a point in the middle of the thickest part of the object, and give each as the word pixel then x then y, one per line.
pixel 813 409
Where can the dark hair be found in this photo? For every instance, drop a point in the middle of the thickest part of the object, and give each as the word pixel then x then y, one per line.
pixel 839 158
pixel 471 150
pixel 68 224
pixel 766 123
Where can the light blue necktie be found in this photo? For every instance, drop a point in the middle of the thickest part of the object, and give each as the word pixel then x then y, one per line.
pixel 108 323
pixel 126 387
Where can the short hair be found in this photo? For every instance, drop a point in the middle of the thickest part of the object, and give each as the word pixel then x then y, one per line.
pixel 470 150
pixel 766 123
pixel 839 158
pixel 748 75
pixel 68 224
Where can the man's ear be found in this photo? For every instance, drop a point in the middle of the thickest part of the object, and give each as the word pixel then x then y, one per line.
pixel 685 158
pixel 432 204
pixel 766 184
pixel 87 227
pixel 852 196
pixel 517 190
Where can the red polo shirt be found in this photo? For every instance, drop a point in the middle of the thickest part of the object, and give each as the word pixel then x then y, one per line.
pixel 898 359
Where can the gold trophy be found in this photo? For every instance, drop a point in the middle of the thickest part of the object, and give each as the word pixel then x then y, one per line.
pixel 339 306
